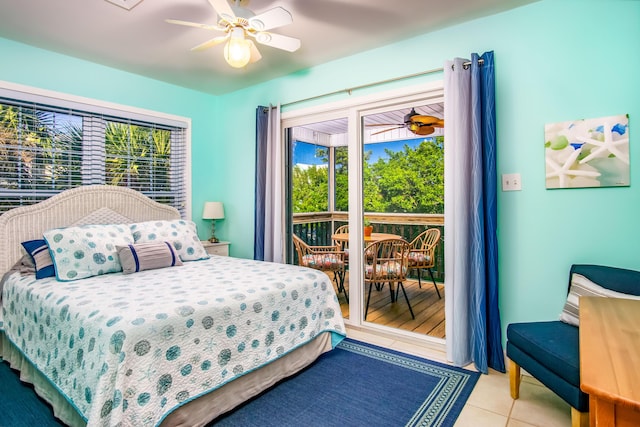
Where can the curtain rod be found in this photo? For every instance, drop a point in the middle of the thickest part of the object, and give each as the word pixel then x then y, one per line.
pixel 351 89
pixel 379 82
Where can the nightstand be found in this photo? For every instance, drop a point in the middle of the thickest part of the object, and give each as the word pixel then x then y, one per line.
pixel 220 248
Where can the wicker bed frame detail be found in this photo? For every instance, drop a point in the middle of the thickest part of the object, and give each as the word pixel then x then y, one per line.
pixel 66 208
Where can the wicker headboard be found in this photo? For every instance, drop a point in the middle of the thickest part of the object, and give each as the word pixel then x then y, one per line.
pixel 69 207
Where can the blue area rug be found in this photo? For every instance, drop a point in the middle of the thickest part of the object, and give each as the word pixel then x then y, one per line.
pixel 20 406
pixel 356 384
pixel 359 384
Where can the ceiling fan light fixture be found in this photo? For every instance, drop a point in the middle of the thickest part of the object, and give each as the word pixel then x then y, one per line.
pixel 237 51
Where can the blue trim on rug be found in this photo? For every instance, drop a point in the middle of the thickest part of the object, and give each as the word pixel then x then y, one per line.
pixel 443 405
pixel 359 384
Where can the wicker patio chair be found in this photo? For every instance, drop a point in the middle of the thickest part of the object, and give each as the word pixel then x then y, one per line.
pixel 422 254
pixel 388 264
pixel 344 245
pixel 323 258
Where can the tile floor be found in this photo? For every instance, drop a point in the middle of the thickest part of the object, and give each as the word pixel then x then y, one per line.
pixel 490 404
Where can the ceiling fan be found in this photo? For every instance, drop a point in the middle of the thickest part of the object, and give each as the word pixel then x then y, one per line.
pixel 239 22
pixel 416 123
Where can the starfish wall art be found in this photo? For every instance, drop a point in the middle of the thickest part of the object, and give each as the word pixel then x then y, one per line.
pixel 587 153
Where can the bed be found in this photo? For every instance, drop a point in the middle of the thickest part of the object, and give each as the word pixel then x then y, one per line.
pixel 172 346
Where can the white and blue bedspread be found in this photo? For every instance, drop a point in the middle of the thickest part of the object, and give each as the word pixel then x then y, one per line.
pixel 128 349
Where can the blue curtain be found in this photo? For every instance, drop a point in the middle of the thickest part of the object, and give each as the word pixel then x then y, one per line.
pixel 262 133
pixel 486 329
pixel 473 318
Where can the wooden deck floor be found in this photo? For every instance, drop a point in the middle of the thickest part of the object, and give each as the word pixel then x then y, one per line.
pixel 427 307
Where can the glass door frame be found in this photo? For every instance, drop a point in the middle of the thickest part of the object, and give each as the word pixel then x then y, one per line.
pixel 354 109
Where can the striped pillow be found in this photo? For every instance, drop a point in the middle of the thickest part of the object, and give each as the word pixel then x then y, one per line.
pixel 583 287
pixel 38 250
pixel 147 256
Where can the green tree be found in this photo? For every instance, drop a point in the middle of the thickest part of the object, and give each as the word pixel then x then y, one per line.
pixel 409 181
pixel 342 179
pixel 310 188
pixel 38 148
pixel 372 194
pixel 137 156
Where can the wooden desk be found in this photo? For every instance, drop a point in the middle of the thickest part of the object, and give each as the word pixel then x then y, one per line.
pixel 344 237
pixel 610 360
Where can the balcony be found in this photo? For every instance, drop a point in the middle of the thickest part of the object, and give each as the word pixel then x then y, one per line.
pixel 316 229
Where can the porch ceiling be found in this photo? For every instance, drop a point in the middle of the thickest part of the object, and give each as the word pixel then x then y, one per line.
pixel 339 126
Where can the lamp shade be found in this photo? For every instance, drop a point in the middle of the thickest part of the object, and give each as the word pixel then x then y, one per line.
pixel 213 210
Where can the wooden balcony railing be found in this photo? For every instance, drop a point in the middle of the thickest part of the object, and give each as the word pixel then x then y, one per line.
pixel 316 228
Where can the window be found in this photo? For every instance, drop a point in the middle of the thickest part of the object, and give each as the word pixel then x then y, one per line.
pixel 48 145
pixel 404 175
pixel 310 177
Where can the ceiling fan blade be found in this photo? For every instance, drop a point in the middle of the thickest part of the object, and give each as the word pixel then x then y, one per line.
pixel 425 120
pixel 272 18
pixel 193 24
pixel 223 9
pixel 424 130
pixel 255 53
pixel 386 130
pixel 278 41
pixel 385 124
pixel 210 43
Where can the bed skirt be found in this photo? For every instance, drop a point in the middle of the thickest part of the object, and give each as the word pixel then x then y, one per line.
pixel 198 412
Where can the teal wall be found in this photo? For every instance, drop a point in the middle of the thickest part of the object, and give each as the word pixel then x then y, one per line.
pixel 556 60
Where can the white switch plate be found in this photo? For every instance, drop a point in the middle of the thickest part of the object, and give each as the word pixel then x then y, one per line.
pixel 511 182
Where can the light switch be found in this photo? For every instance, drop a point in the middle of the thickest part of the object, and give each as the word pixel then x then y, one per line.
pixel 511 182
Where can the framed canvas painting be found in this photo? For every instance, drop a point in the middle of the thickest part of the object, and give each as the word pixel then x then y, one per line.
pixel 587 153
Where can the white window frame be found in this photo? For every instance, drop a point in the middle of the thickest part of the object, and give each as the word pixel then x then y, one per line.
pixel 48 97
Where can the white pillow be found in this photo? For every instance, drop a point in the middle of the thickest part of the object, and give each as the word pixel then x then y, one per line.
pixel 581 286
pixel 88 250
pixel 180 233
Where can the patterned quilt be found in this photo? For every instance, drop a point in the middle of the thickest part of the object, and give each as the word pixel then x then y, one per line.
pixel 131 348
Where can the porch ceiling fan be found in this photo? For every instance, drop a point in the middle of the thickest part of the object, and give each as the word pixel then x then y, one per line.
pixel 238 22
pixel 414 122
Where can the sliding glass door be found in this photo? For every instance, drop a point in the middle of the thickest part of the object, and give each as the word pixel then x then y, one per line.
pixel 378 163
pixel 320 200
pixel 403 197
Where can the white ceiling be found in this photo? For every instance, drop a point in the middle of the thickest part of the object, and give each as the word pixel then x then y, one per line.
pixel 140 41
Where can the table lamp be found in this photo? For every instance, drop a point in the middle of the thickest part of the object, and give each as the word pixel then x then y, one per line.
pixel 213 211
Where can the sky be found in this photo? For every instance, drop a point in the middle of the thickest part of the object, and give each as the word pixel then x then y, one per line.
pixel 304 153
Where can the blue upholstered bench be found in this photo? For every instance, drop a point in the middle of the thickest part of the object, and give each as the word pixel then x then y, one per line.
pixel 549 351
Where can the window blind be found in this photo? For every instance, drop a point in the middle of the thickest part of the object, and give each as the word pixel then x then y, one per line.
pixel 47 148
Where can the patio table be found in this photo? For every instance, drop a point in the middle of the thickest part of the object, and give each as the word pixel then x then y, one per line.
pixel 374 237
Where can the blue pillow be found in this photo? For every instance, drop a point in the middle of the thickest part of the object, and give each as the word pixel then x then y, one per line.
pixel 39 253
